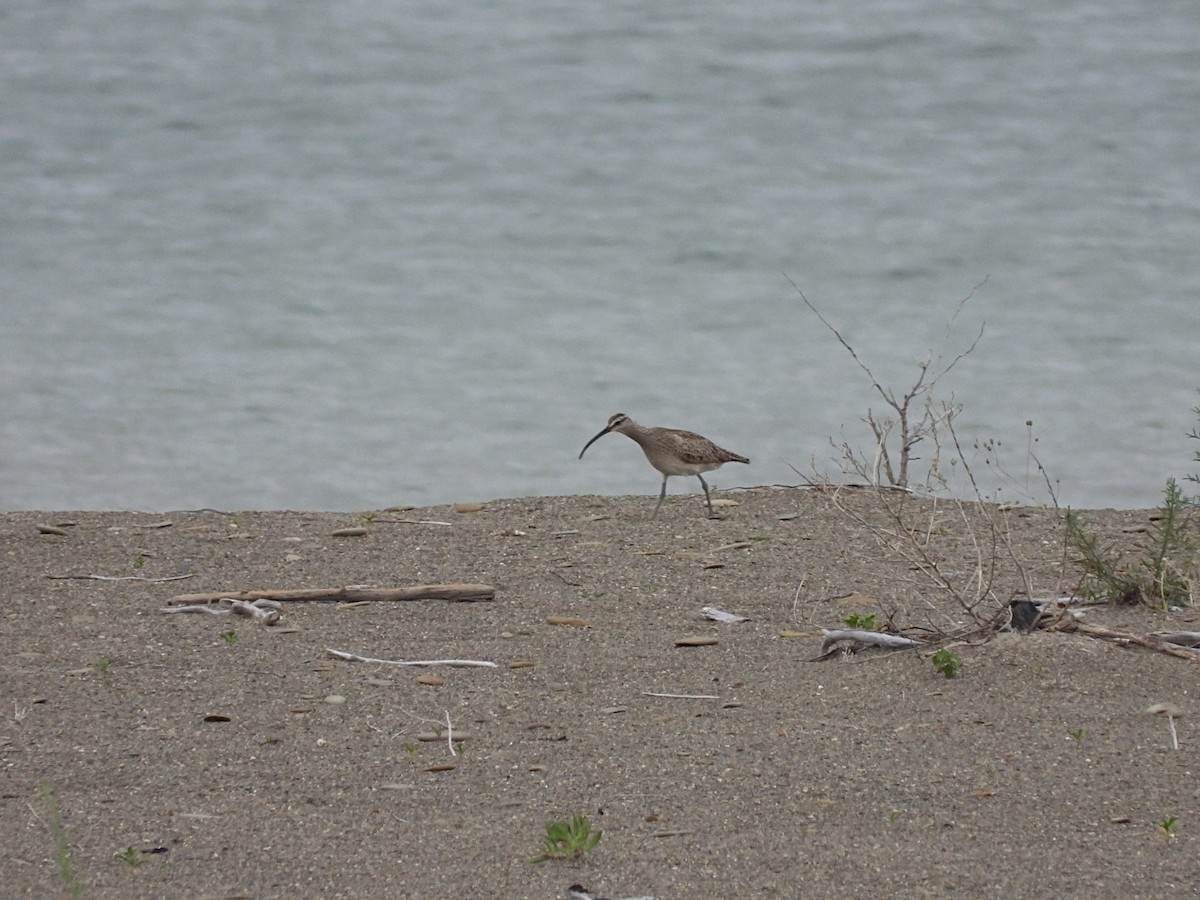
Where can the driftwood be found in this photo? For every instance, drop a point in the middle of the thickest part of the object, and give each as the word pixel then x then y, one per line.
pixel 857 639
pixel 152 579
pixel 1182 638
pixel 1149 641
pixel 265 611
pixel 350 593
pixel 458 663
pixel 719 615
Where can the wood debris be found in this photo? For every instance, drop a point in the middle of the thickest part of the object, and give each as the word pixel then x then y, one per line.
pixel 462 593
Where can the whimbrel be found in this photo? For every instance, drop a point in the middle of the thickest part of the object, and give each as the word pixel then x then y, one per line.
pixel 672 452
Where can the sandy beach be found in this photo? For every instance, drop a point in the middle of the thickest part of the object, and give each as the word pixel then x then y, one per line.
pixel 216 756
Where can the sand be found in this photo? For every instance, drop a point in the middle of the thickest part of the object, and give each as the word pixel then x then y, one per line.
pixel 212 756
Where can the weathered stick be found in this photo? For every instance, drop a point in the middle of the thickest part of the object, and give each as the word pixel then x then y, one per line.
pixel 266 611
pixel 1181 638
pixel 350 593
pixel 1150 642
pixel 459 663
pixel 878 638
pixel 156 580
pixel 859 638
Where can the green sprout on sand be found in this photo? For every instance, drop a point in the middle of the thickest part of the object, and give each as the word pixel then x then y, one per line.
pixel 230 637
pixel 1167 826
pixel 861 621
pixel 131 856
pixel 568 840
pixel 947 663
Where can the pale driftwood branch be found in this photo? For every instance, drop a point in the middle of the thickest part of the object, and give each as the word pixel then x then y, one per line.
pixel 265 611
pixel 1182 638
pixel 858 638
pixel 1171 712
pixel 150 578
pixel 1149 641
pixel 719 615
pixel 350 593
pixel 579 892
pixel 460 663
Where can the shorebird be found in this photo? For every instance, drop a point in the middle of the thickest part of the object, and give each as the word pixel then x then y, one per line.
pixel 672 452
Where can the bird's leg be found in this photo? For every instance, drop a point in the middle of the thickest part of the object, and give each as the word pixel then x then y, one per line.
pixel 661 495
pixel 707 498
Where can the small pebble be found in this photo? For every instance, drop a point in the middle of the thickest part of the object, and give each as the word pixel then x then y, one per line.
pixel 52 529
pixel 432 680
pixel 357 531
pixel 335 699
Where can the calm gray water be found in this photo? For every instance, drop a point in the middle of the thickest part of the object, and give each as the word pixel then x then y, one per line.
pixel 346 255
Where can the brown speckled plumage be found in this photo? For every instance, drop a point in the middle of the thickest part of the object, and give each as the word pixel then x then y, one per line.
pixel 672 452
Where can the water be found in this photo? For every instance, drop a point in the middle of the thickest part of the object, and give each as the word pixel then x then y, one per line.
pixel 348 255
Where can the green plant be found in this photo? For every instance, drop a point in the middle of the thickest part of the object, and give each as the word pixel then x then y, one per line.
pixel 131 856
pixel 139 561
pixel 568 840
pixel 1076 734
pixel 1167 826
pixel 1194 434
pixel 947 663
pixel 861 621
pixel 230 637
pixel 460 748
pixel 102 665
pixel 62 848
pixel 1160 574
pixel 411 749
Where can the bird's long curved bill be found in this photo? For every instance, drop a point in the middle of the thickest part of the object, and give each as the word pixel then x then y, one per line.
pixel 592 441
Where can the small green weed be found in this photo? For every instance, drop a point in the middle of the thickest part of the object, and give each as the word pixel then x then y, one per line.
pixel 861 621
pixel 1194 434
pixel 131 856
pixel 139 561
pixel 1076 734
pixel 568 840
pixel 947 663
pixel 1160 574
pixel 62 844
pixel 102 665
pixel 230 637
pixel 1167 826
